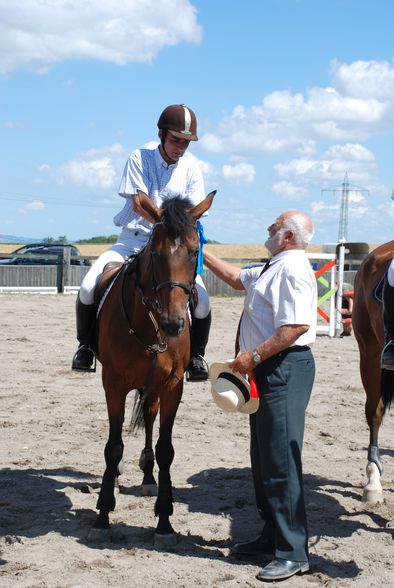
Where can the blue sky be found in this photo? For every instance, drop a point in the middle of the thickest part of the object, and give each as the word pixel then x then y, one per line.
pixel 290 95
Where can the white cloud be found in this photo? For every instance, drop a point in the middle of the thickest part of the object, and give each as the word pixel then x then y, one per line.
pixel 337 160
pixel 289 190
pixel 374 79
pixel 236 173
pixel 358 104
pixel 97 168
pixel 37 34
pixel 32 206
pixel 10 124
pixel 241 173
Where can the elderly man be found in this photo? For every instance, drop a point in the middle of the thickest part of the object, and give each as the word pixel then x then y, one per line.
pixel 277 326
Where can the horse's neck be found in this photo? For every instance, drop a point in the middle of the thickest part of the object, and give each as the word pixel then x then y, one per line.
pixel 144 271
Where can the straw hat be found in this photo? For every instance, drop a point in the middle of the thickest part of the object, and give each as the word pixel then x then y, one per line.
pixel 231 391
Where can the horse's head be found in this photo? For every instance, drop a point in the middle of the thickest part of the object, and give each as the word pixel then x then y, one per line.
pixel 172 255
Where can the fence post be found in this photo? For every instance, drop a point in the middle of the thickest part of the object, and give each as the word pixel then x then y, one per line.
pixel 63 270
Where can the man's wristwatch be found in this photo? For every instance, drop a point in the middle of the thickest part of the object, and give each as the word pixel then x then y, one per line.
pixel 256 356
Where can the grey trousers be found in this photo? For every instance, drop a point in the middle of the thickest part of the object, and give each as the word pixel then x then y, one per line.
pixel 277 430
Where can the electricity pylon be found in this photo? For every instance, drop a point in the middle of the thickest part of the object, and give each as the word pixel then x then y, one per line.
pixel 342 239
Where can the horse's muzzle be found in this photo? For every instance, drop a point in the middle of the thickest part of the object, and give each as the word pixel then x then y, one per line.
pixel 172 327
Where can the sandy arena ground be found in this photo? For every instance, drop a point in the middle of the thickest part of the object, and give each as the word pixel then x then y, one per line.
pixel 53 432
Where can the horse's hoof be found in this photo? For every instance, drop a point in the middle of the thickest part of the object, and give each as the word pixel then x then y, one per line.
pixel 372 496
pixel 165 541
pixel 99 535
pixel 149 489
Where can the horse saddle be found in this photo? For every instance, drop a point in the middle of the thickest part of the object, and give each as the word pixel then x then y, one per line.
pixel 111 273
pixel 107 278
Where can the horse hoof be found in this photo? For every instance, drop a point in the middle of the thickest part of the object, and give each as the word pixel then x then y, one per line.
pixel 99 535
pixel 149 489
pixel 372 496
pixel 165 541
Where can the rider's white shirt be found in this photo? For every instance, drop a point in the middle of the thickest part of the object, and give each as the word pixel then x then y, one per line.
pixel 146 170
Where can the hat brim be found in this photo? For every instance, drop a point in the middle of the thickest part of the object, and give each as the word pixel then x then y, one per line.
pixel 185 136
pixel 227 398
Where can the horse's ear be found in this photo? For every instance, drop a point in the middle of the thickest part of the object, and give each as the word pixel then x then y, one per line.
pixel 144 206
pixel 205 205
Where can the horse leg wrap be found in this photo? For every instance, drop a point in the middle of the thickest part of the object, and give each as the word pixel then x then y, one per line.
pixel 163 504
pixel 374 457
pixel 113 458
pixel 147 459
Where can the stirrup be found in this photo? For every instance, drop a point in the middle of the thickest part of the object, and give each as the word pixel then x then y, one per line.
pixel 387 357
pixel 78 365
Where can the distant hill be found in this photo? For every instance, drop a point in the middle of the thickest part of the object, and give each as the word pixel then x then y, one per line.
pixel 17 240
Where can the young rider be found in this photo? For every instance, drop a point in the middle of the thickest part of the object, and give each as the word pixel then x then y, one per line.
pixel 162 173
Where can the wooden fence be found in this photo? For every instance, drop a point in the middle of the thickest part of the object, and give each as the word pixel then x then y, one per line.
pixel 66 277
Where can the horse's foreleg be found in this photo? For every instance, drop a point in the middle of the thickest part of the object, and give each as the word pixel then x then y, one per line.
pixel 165 536
pixel 113 454
pixel 147 458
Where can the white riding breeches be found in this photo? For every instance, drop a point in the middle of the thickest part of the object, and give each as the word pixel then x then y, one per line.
pixel 390 273
pixel 130 243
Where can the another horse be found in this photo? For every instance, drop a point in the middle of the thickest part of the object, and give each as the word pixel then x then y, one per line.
pixel 144 345
pixel 369 332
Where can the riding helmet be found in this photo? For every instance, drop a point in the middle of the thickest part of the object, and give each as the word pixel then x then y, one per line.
pixel 180 120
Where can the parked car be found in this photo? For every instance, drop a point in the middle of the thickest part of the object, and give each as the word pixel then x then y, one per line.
pixel 45 251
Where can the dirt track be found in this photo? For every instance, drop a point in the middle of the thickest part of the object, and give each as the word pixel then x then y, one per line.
pixel 53 432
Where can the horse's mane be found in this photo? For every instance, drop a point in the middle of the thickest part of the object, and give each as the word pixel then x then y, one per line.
pixel 176 217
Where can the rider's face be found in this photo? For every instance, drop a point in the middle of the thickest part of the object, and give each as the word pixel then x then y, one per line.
pixel 174 147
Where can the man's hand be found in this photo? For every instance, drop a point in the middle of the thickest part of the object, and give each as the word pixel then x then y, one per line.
pixel 243 363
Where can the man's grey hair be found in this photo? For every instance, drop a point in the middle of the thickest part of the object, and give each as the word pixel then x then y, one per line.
pixel 297 223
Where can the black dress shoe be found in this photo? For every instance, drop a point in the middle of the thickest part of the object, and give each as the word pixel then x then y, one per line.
pixel 281 569
pixel 258 546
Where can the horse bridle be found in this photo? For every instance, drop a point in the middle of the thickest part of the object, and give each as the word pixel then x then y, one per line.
pixel 154 305
pixel 156 287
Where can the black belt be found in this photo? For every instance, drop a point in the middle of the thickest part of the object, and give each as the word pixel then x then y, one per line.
pixel 298 348
pixel 292 349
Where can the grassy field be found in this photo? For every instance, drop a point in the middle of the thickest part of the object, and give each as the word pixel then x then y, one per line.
pixel 228 251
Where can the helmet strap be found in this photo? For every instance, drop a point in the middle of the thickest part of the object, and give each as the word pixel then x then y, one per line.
pixel 162 139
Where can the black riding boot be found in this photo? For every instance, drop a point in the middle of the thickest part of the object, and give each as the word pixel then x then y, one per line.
pixel 199 333
pixel 84 358
pixel 387 361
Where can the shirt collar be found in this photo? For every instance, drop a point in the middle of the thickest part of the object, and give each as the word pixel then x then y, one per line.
pixel 287 253
pixel 162 162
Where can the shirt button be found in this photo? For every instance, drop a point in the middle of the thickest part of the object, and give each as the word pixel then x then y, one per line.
pixel 136 233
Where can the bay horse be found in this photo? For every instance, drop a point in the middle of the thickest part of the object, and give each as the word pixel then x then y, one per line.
pixel 378 383
pixel 144 345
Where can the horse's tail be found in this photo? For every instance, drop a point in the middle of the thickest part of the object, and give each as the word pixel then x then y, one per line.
pixel 387 389
pixel 137 416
